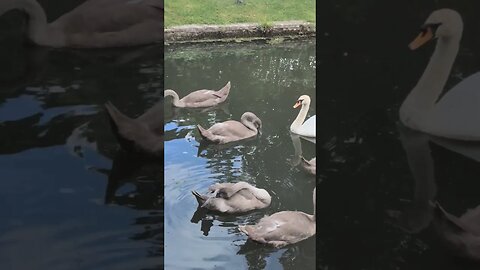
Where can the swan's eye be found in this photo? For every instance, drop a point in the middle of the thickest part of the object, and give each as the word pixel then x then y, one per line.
pixel 432 26
pixel 435 26
pixel 424 31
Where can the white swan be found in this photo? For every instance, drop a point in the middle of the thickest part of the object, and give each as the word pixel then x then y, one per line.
pixel 455 115
pixel 299 127
pixel 94 24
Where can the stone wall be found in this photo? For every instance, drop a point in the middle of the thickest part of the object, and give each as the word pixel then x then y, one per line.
pixel 239 32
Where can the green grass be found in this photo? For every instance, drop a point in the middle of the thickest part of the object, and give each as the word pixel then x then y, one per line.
pixel 181 12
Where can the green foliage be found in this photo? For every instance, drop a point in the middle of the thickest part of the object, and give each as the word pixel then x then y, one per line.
pixel 182 12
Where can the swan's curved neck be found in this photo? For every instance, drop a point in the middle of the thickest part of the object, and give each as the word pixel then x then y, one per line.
pixel 300 117
pixel 176 98
pixel 39 31
pixel 425 94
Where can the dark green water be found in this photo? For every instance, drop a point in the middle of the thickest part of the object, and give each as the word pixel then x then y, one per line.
pixel 69 199
pixel 265 79
pixel 373 211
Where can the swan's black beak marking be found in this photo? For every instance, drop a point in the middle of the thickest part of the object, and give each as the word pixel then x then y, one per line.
pixel 298 103
pixel 433 27
pixel 427 33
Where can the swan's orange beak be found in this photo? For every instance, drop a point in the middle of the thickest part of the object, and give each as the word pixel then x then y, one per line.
pixel 297 104
pixel 421 39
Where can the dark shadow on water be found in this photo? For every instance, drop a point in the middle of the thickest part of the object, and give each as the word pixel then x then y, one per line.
pixel 257 254
pixel 146 173
pixel 201 215
pixel 207 217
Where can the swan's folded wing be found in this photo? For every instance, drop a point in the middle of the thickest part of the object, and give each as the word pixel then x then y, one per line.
pixel 457 114
pixel 200 96
pixel 308 128
pixel 246 194
pixel 288 226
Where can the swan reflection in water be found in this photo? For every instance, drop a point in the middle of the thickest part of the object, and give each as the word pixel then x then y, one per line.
pixel 206 219
pixel 145 173
pixel 201 215
pixel 257 255
pixel 207 149
pixel 308 166
pixel 459 235
pixel 418 214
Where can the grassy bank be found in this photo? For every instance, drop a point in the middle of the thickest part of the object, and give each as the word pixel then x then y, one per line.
pixel 181 12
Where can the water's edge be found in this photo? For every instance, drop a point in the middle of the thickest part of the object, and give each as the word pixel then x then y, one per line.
pixel 238 32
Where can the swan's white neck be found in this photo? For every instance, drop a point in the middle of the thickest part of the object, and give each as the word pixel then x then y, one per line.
pixel 300 118
pixel 39 31
pixel 424 95
pixel 176 99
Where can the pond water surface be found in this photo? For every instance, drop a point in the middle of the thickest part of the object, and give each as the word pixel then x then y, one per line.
pixel 266 79
pixel 69 199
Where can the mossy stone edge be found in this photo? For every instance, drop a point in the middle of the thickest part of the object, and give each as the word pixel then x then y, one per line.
pixel 238 32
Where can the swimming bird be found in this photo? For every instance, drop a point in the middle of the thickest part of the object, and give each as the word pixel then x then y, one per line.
pixel 461 235
pixel 200 98
pixel 310 166
pixel 233 198
pixel 455 114
pixel 300 127
pixel 282 228
pixel 143 134
pixel 231 130
pixel 94 24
